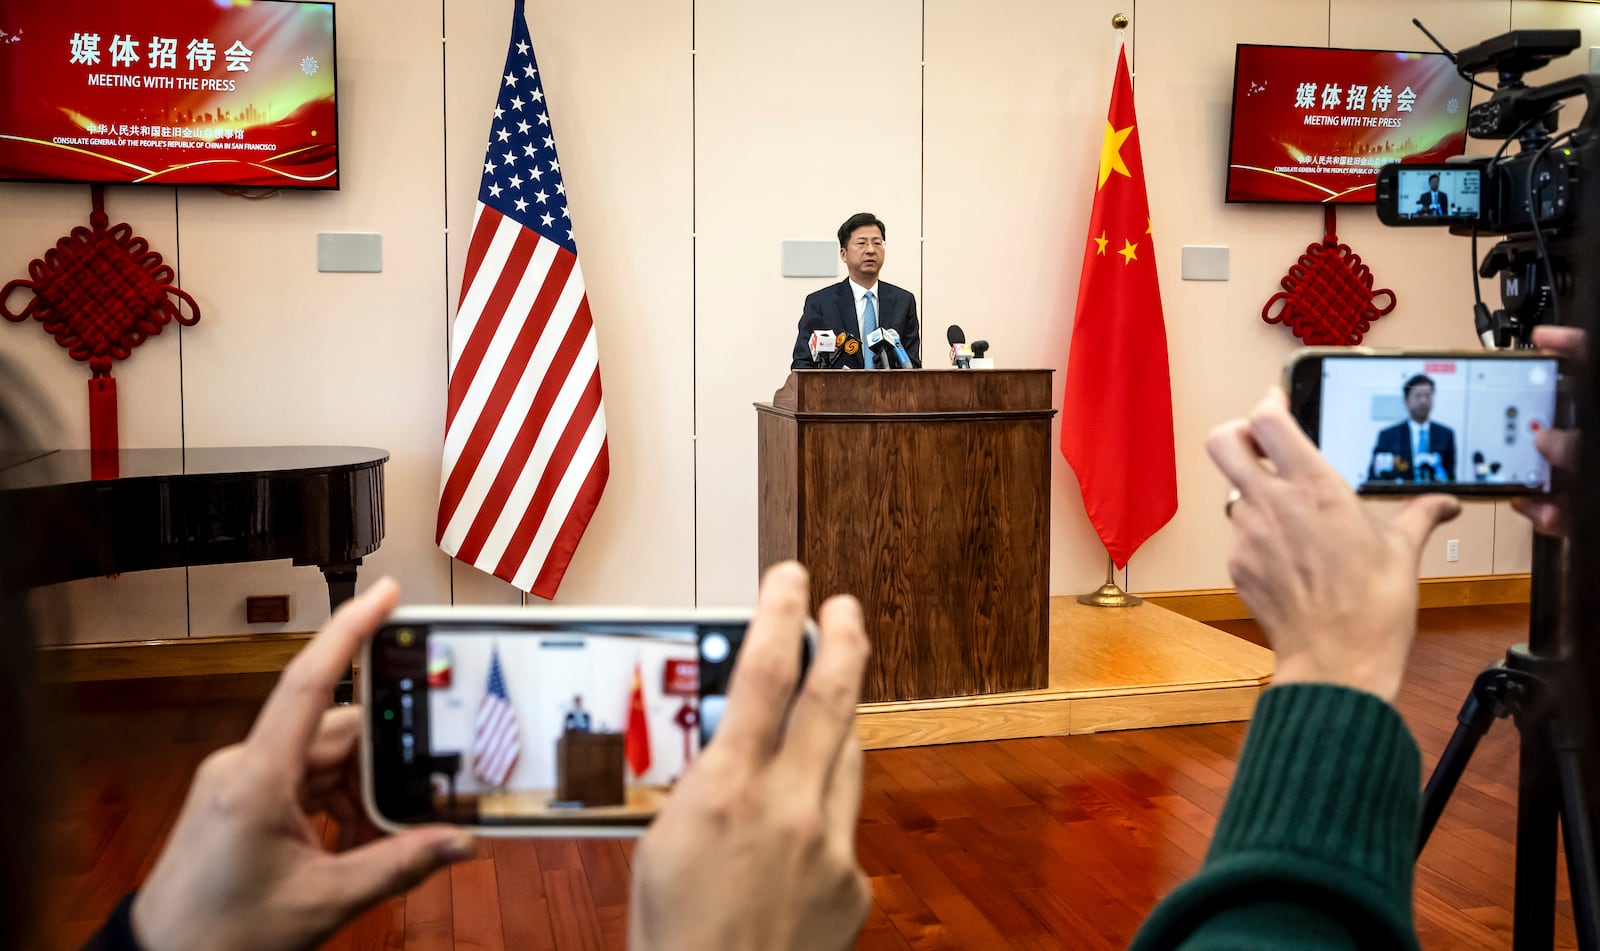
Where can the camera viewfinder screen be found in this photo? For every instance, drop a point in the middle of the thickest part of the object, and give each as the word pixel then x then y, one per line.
pixel 1386 421
pixel 1448 195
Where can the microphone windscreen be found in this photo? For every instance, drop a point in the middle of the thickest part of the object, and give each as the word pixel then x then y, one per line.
pixel 954 335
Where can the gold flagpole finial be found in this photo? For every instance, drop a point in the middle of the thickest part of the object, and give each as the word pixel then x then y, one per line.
pixel 1119 21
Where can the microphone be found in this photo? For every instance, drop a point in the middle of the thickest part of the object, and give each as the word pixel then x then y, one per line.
pixel 844 344
pixel 960 353
pixel 979 348
pixel 881 348
pixel 824 348
pixel 893 336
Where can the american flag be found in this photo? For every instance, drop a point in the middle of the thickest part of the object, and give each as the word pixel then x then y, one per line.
pixel 495 740
pixel 525 455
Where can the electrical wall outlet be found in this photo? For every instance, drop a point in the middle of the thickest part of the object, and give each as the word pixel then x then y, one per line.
pixel 1452 550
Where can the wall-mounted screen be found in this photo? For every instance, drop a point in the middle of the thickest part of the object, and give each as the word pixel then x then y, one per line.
pixel 1314 125
pixel 177 92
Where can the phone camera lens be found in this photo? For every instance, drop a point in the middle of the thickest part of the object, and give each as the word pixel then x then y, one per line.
pixel 715 648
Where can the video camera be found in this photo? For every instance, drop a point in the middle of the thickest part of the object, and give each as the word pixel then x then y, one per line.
pixel 1549 261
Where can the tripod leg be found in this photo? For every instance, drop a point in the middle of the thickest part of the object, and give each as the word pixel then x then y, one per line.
pixel 1578 836
pixel 1538 806
pixel 1478 711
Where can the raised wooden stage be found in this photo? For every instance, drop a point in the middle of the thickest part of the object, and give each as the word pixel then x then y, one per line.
pixel 1110 669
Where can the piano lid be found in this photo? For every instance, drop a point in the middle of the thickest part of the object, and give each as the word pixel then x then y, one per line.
pixel 69 466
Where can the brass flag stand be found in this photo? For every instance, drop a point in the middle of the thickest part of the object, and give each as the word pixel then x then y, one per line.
pixel 1109 595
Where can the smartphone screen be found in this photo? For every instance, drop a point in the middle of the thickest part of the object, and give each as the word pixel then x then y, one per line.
pixel 548 721
pixel 1407 423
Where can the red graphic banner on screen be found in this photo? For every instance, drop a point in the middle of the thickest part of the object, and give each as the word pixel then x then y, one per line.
pixel 178 92
pixel 1315 125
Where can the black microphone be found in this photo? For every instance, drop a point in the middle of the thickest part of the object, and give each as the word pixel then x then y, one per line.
pixel 960 353
pixel 979 348
pixel 844 346
pixel 1480 467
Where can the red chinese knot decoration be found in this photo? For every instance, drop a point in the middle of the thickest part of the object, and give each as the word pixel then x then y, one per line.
pixel 1327 297
pixel 101 292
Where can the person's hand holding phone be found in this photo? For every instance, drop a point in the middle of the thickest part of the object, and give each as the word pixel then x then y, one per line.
pixel 1559 447
pixel 244 868
pixel 755 850
pixel 1333 585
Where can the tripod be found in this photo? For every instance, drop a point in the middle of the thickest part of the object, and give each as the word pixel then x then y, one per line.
pixel 1551 764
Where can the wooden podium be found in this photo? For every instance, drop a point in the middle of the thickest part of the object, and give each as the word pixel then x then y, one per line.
pixel 589 768
pixel 926 494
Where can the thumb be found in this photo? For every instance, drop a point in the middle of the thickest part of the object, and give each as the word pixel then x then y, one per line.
pixel 392 865
pixel 1424 514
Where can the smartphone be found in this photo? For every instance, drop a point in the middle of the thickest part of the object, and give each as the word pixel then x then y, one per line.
pixel 540 721
pixel 1402 422
pixel 1446 193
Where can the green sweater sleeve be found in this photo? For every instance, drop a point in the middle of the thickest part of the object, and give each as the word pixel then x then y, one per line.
pixel 1317 840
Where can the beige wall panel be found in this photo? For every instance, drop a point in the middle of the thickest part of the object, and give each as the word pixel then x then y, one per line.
pixel 1558 15
pixel 804 115
pixel 1513 541
pixel 296 356
pixel 147 604
pixel 1365 24
pixel 617 79
pixel 1016 101
pixel 1474 528
pixel 1222 355
pixel 140 605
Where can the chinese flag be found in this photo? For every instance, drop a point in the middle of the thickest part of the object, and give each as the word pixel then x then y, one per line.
pixel 636 741
pixel 1116 422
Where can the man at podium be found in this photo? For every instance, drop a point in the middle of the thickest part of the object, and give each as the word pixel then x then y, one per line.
pixel 859 304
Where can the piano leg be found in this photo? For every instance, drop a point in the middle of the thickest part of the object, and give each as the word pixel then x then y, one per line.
pixel 341 588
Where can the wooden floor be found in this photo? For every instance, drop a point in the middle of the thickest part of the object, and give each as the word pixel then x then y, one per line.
pixel 1060 842
pixel 1110 669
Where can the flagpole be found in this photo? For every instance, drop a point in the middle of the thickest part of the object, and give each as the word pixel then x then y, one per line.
pixel 1109 595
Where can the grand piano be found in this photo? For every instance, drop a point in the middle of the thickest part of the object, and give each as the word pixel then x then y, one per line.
pixel 81 513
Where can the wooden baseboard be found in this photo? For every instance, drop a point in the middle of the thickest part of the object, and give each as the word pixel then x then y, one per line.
pixel 268 653
pixel 1223 604
pixel 181 657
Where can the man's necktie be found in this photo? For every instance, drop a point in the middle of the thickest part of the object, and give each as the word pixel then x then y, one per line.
pixel 1422 450
pixel 869 323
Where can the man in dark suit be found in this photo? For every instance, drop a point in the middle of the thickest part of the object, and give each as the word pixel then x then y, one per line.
pixel 1415 450
pixel 860 302
pixel 577 718
pixel 1433 201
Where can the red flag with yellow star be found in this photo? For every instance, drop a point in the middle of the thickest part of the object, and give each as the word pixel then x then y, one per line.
pixel 636 738
pixel 1116 420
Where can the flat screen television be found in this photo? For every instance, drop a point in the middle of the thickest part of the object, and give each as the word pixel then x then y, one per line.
pixel 170 92
pixel 1312 124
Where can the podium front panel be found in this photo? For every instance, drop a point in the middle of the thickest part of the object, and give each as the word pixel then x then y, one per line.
pixel 937 520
